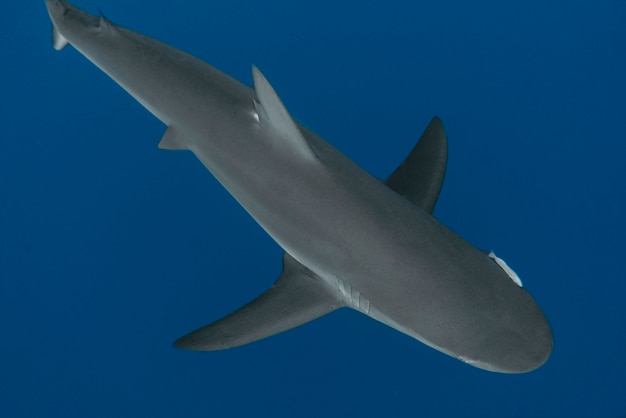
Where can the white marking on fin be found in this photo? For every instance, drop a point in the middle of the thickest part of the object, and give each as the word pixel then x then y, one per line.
pixel 58 41
pixel 258 109
pixel 508 270
pixel 271 110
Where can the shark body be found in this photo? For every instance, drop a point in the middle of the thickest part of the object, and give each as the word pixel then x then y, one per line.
pixel 350 240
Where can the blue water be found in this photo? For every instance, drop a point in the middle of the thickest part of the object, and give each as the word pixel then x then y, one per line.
pixel 110 248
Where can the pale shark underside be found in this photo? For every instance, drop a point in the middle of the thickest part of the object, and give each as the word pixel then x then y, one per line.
pixel 350 240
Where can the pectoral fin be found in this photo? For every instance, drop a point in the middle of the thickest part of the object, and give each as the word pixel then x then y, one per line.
pixel 297 297
pixel 420 177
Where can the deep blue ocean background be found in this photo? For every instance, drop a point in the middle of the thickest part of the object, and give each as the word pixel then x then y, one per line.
pixel 110 249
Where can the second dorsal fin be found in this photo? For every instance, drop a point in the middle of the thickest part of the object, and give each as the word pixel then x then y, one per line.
pixel 171 140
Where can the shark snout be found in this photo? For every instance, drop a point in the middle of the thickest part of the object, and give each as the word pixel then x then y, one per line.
pixel 528 347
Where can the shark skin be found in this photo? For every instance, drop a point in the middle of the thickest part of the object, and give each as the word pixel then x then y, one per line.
pixel 350 240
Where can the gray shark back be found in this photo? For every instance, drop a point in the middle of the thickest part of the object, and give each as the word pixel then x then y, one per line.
pixel 350 239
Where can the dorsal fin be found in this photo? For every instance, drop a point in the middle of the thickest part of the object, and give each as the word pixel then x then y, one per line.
pixel 420 177
pixel 297 297
pixel 273 112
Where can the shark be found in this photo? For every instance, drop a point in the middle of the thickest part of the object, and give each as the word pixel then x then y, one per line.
pixel 350 240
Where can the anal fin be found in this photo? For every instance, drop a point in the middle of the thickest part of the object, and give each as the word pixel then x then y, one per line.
pixel 298 296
